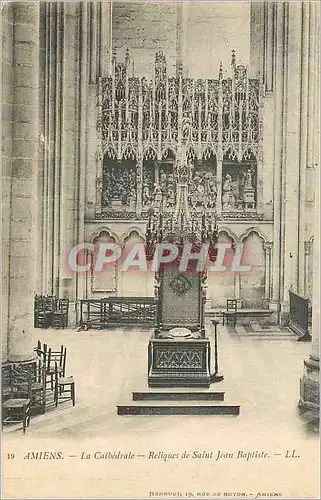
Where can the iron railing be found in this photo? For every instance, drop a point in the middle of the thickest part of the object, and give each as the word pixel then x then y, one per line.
pixel 113 311
pixel 299 316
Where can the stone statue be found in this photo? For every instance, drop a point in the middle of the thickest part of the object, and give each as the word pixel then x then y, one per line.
pixel 106 192
pixel 157 196
pixel 132 179
pixel 227 186
pixel 228 197
pixel 248 191
pixel 199 191
pixel 163 181
pixel 248 184
pixel 146 195
pixel 212 193
pixel 170 196
pixel 124 195
pixel 186 124
pixel 193 196
pixel 132 200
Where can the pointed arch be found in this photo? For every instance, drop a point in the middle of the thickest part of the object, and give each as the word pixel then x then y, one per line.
pixel 129 152
pixel 230 233
pixel 131 231
pixel 168 152
pixel 208 152
pixel 256 230
pixel 104 231
pixel 191 153
pixel 149 153
pixel 110 152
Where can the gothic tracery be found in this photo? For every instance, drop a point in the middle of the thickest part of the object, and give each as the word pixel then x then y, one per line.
pixel 146 127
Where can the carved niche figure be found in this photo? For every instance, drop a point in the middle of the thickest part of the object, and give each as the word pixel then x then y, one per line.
pixel 106 195
pixel 124 193
pixel 99 191
pixel 186 124
pixel 248 191
pixel 105 198
pixel 228 198
pixel 198 191
pixel 248 182
pixel 194 191
pixel 117 185
pixel 157 197
pixel 146 196
pixel 132 200
pixel 211 193
pixel 170 192
pixel 163 181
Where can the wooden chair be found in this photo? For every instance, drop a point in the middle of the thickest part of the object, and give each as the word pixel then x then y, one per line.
pixel 37 389
pixel 38 349
pixel 60 314
pixel 43 311
pixel 64 385
pixel 16 409
pixel 52 358
pixel 231 312
pixel 6 381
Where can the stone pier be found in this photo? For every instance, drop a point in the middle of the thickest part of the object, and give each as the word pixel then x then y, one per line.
pixel 20 33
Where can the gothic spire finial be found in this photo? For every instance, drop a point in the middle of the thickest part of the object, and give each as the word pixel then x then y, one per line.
pixel 233 58
pixel 180 68
pixel 127 57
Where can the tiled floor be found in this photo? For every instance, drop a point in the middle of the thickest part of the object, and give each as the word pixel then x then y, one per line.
pixel 262 369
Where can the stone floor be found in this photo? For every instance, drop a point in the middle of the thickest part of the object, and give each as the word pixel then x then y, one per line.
pixel 262 368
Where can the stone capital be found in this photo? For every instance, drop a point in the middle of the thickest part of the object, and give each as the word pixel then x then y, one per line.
pixel 267 247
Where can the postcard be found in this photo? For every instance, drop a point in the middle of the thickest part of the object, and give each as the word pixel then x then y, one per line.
pixel 161 248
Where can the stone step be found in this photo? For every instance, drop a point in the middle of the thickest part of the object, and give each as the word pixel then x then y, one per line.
pixel 178 396
pixel 178 410
pixel 167 402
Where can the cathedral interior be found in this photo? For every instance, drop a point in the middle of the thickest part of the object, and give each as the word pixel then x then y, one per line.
pixel 102 103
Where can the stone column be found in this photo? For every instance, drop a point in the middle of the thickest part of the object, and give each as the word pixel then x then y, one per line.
pixel 256 39
pixel 238 294
pixel 269 22
pixel 310 381
pixel 7 99
pixel 290 191
pixel 106 37
pixel 24 180
pixel 307 253
pixel 94 26
pixel 58 179
pixel 49 150
pixel 306 65
pixel 278 124
pixel 82 132
pixel 267 290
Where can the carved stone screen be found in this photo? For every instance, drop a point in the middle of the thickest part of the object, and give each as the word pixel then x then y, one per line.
pixel 180 296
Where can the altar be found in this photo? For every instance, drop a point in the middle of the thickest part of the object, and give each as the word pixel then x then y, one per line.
pixel 179 362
